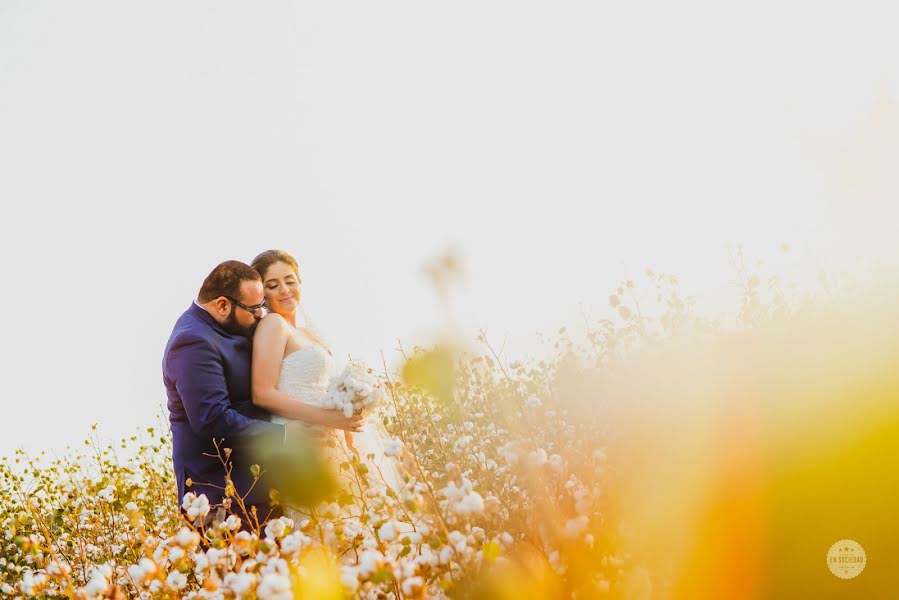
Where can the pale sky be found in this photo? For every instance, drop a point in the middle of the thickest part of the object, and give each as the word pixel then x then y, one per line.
pixel 558 147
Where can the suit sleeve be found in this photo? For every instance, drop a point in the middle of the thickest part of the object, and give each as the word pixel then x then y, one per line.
pixel 200 381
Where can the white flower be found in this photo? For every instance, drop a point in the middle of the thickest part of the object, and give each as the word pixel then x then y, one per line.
pixel 176 554
pixel 131 507
pixel 176 580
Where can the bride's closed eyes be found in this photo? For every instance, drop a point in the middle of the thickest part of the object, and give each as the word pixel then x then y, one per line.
pixel 290 282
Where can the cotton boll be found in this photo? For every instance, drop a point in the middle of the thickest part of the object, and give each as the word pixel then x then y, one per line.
pixel 508 453
pixel 240 583
pixel 472 503
pixel 137 574
pixel 575 527
pixel 555 463
pixel 274 587
pixel 412 585
pixel 393 448
pixel 388 531
pixel 97 585
pixel 176 580
pixel 201 562
pixel 537 457
pixel 186 538
pixel 457 540
pixel 176 554
pixel 274 529
pixel 349 577
pixel 369 562
pixel 186 503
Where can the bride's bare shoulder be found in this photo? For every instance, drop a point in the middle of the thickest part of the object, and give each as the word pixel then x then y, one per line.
pixel 272 322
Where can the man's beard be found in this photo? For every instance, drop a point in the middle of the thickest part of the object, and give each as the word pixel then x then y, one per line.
pixel 232 326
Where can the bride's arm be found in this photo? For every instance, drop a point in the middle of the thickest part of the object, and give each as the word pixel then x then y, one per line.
pixel 269 343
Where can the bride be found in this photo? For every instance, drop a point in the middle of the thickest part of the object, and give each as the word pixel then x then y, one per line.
pixel 292 366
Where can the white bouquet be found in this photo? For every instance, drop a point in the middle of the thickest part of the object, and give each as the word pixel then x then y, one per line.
pixel 356 390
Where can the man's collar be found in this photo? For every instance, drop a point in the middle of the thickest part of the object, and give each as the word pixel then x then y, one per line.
pixel 201 313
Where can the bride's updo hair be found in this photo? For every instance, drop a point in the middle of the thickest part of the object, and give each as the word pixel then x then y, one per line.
pixel 266 259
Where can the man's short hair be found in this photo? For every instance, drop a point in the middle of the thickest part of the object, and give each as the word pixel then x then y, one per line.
pixel 225 280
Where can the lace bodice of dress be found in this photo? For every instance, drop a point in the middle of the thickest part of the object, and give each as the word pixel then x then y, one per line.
pixel 305 374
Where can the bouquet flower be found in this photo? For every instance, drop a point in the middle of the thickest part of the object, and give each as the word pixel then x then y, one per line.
pixel 355 390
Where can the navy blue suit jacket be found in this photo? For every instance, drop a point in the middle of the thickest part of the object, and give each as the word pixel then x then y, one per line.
pixel 206 371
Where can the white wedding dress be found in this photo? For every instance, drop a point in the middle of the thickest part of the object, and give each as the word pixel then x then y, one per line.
pixel 305 375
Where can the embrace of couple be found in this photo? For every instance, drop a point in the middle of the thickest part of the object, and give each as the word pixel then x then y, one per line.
pixel 238 371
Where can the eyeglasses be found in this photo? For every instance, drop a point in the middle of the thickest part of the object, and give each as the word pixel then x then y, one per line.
pixel 250 309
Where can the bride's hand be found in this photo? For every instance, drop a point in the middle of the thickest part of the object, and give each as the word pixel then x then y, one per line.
pixel 335 420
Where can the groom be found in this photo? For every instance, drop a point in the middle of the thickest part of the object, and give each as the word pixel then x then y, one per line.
pixel 206 370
